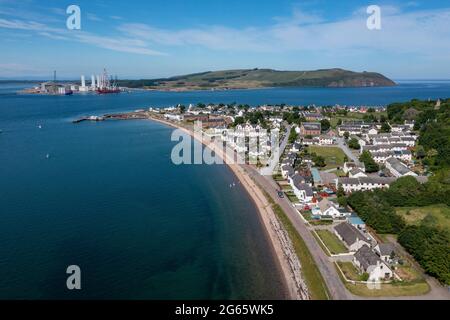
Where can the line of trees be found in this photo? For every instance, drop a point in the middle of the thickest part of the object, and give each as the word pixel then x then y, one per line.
pixel 428 242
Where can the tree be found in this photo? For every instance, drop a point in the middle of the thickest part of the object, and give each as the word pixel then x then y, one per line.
pixel 385 128
pixel 370 164
pixel 420 152
pixel 319 161
pixel 339 122
pixel 325 124
pixel 346 135
pixel 354 144
pixel 238 120
pixel 292 135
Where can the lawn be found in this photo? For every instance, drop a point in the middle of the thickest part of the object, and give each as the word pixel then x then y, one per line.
pixel 332 242
pixel 397 289
pixel 334 156
pixel 394 289
pixel 439 214
pixel 350 271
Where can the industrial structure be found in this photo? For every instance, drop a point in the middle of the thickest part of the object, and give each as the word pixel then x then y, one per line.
pixel 101 84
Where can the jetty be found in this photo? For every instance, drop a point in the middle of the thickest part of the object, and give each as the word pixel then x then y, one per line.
pixel 135 115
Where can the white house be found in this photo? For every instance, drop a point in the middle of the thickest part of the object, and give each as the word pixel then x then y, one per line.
pixel 364 183
pixel 326 140
pixel 350 236
pixel 398 169
pixel 385 251
pixel 174 117
pixel 327 208
pixel 296 147
pixel 357 173
pixel 348 166
pixel 286 171
pixel 368 262
pixel 302 191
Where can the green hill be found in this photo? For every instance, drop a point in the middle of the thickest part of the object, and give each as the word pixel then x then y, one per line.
pixel 263 78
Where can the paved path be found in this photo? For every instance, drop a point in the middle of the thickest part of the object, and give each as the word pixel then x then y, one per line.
pixel 275 159
pixel 347 151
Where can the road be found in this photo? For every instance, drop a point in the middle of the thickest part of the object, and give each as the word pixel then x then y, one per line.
pixel 326 267
pixel 347 151
pixel 267 171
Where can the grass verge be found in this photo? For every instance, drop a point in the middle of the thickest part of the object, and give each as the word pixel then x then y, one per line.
pixel 332 242
pixel 314 280
pixel 394 289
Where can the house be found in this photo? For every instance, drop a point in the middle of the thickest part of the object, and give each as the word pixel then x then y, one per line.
pixel 352 237
pixel 348 166
pixel 311 142
pixel 372 130
pixel 357 222
pixel 317 179
pixel 398 169
pixel 302 191
pixel 385 251
pixel 287 171
pixel 364 183
pixel 310 129
pixel 327 208
pixel 325 140
pixel 357 173
pixel 368 262
pixel 174 116
pixel 296 147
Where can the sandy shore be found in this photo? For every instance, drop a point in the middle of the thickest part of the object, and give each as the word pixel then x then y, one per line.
pixel 295 288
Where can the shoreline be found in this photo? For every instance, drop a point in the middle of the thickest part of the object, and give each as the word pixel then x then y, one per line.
pixel 266 217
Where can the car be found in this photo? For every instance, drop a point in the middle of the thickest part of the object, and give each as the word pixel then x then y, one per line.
pixel 280 194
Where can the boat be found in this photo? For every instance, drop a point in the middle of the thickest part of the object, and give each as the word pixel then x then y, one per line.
pixel 106 85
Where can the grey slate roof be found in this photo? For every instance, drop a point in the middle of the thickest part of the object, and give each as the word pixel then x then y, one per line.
pixel 386 249
pixel 311 125
pixel 398 166
pixel 299 183
pixel 366 257
pixel 349 233
pixel 289 169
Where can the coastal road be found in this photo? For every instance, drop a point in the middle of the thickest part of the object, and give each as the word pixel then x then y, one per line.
pixel 326 267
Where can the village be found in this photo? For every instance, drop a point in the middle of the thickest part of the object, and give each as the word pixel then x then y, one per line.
pixel 328 152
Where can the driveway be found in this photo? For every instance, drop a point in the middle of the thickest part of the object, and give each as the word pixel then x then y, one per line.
pixel 347 151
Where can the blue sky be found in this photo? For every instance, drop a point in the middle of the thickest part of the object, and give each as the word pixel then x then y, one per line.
pixel 150 39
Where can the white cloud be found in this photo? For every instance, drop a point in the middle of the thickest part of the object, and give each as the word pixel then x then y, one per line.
pixel 420 32
pixel 93 17
pixel 120 44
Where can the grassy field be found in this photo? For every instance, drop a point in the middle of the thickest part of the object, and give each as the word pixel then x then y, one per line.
pixel 332 242
pixel 439 214
pixel 350 271
pixel 314 280
pixel 352 116
pixel 334 156
pixel 396 289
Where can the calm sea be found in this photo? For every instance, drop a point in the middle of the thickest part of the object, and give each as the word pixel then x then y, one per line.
pixel 108 199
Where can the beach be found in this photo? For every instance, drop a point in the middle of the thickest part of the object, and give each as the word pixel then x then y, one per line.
pixel 282 249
